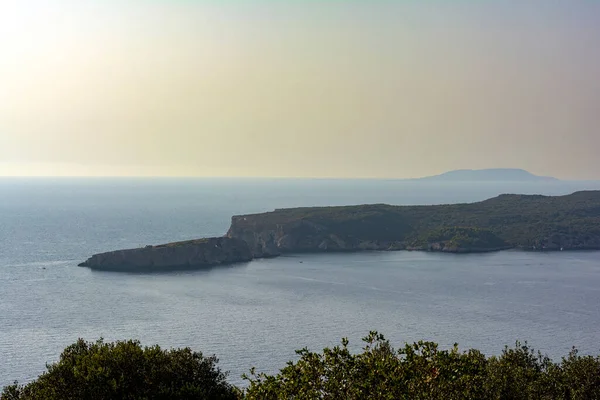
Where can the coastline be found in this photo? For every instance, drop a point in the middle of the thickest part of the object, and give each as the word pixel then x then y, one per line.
pixel 128 268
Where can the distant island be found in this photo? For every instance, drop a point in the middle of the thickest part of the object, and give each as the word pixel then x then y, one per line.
pixel 492 175
pixel 528 222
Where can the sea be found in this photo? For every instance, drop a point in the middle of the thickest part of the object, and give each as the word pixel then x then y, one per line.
pixel 257 314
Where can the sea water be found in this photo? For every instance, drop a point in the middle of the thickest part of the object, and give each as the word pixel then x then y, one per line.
pixel 258 313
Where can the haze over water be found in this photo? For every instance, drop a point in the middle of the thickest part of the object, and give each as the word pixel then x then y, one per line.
pixel 257 314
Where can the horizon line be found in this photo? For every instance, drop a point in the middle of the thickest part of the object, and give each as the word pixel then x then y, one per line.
pixel 315 178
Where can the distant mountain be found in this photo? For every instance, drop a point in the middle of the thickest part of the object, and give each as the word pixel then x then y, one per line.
pixel 494 174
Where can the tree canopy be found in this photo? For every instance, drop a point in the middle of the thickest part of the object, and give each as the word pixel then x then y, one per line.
pixel 423 371
pixel 125 370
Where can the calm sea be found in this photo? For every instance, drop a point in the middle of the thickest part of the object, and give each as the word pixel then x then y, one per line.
pixel 257 314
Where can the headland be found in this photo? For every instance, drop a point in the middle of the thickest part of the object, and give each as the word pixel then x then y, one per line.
pixel 509 221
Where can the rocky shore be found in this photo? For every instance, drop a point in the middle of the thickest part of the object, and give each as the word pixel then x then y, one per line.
pixel 181 255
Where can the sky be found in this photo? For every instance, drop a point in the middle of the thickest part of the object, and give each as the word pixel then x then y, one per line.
pixel 349 89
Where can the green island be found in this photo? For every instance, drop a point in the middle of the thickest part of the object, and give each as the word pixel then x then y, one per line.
pixel 422 370
pixel 509 221
pixel 530 222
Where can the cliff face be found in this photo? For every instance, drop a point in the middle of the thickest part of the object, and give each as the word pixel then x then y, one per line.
pixel 261 242
pixel 269 238
pixel 181 255
pixel 508 221
pixel 309 237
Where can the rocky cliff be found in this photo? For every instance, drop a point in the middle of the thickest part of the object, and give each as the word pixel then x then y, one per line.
pixel 308 236
pixel 181 255
pixel 304 235
pixel 530 222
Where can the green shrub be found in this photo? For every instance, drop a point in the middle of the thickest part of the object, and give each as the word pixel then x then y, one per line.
pixel 126 370
pixel 423 371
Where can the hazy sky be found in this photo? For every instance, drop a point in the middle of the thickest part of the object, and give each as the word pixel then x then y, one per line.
pixel 299 88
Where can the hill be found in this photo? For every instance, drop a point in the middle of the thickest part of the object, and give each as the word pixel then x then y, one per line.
pixel 508 221
pixel 483 175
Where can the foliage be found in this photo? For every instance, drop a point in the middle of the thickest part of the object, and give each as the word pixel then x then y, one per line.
pixel 460 237
pixel 423 371
pixel 126 370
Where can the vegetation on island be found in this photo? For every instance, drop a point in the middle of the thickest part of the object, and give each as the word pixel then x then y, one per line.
pixel 532 222
pixel 126 370
pixel 456 238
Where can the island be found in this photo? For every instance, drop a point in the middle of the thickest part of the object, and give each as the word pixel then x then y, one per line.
pixel 509 221
pixel 488 175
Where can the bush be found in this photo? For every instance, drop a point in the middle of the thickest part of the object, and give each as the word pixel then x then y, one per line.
pixel 422 371
pixel 126 370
